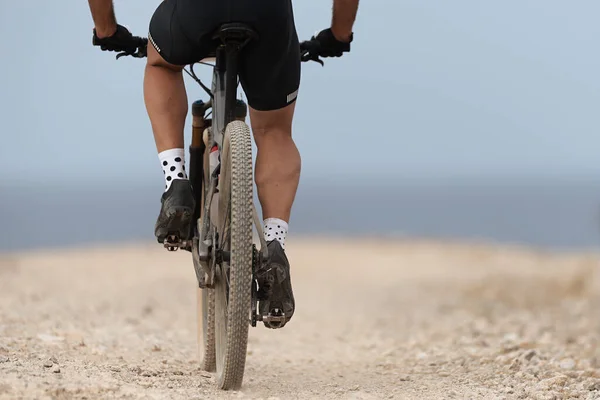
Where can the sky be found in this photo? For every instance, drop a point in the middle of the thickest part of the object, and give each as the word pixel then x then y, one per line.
pixel 430 90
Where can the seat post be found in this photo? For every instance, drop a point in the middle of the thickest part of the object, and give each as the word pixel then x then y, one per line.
pixel 233 37
pixel 231 74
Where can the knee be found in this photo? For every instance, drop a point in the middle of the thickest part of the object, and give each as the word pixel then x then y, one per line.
pixel 272 126
pixel 154 59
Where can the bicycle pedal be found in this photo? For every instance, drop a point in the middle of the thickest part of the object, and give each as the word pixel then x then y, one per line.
pixel 274 320
pixel 172 243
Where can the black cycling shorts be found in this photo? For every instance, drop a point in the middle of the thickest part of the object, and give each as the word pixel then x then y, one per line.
pixel 182 30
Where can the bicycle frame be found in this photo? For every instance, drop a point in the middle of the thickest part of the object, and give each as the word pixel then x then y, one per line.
pixel 223 104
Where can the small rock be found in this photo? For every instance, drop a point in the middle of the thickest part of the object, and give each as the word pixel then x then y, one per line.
pixel 56 369
pixel 48 364
pixel 177 372
pixel 170 385
pixel 49 338
pixel 529 355
pixel 136 370
pixel 510 337
pixel 156 348
pixel 509 348
pixel 4 359
pixel 567 363
pixel 444 373
pixel 594 387
pixel 53 360
pixel 555 381
pixel 404 378
pixel 355 388
pixel 115 368
pixel 147 374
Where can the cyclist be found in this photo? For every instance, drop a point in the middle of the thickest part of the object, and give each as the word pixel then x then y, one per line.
pixel 180 33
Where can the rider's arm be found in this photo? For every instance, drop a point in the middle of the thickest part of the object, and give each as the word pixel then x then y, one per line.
pixel 344 14
pixel 103 14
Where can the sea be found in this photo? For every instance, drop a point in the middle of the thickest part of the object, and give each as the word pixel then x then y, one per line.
pixel 551 213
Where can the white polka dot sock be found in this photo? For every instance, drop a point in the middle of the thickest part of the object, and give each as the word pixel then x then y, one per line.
pixel 275 229
pixel 173 165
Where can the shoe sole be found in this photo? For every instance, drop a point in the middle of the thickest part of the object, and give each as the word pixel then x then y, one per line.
pixel 177 224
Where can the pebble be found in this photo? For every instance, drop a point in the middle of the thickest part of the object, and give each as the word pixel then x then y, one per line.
pixel 594 387
pixel 4 359
pixel 115 369
pixel 559 380
pixel 510 337
pixel 56 369
pixel 567 363
pixel 529 355
pixel 136 370
pixel 49 338
pixel 48 364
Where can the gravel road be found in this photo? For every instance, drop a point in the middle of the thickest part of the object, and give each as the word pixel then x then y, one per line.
pixel 375 319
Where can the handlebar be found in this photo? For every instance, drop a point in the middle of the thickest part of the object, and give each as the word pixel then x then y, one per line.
pixel 309 51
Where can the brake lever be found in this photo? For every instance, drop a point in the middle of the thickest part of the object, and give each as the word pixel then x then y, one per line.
pixel 308 56
pixel 139 53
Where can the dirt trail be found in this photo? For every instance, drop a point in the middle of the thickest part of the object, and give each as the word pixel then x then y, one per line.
pixel 374 320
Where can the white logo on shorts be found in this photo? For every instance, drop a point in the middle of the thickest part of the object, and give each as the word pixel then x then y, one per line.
pixel 292 96
pixel 153 43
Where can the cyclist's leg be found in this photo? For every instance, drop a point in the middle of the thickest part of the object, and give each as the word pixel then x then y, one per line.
pixel 166 103
pixel 270 75
pixel 278 161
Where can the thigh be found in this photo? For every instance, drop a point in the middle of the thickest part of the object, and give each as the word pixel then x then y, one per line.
pixel 169 35
pixel 270 67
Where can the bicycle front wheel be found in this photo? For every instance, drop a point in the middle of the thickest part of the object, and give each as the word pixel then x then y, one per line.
pixel 233 277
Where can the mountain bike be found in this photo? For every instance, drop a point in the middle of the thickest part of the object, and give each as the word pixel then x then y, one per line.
pixel 220 169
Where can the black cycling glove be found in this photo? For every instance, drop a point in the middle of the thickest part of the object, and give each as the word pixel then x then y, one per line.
pixel 329 46
pixel 121 40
